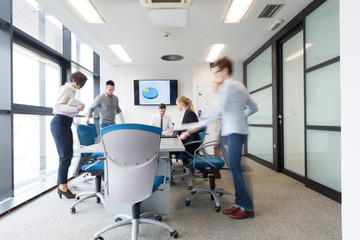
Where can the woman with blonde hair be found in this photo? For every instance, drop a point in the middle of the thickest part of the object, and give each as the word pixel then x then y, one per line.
pixel 185 104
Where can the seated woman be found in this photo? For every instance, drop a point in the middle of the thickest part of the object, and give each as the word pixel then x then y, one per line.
pixel 185 104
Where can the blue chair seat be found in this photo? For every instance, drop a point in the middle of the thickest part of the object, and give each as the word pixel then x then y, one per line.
pixel 97 155
pixel 95 167
pixel 157 182
pixel 200 163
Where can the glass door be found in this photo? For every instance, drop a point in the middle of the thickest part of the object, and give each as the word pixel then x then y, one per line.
pixel 292 117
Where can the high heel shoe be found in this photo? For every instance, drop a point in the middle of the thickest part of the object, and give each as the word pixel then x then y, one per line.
pixel 68 194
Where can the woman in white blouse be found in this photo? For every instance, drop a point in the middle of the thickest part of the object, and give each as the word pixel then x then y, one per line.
pixel 61 128
pixel 233 105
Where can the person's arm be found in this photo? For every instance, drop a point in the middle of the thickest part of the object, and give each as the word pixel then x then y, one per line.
pixel 63 97
pixel 120 118
pixel 92 108
pixel 251 107
pixel 152 123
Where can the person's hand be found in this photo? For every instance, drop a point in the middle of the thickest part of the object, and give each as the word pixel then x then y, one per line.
pixel 87 119
pixel 80 107
pixel 184 135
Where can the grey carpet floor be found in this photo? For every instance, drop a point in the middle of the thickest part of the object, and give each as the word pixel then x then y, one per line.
pixel 284 209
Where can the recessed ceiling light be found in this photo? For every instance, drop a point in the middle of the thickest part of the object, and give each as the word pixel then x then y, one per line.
pixel 172 57
pixel 87 10
pixel 214 52
pixel 121 52
pixel 237 10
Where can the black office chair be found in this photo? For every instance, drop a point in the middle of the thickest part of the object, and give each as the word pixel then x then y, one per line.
pixel 92 164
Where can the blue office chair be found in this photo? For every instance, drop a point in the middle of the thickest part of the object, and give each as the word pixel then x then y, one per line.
pixel 208 165
pixel 132 152
pixel 90 163
pixel 186 157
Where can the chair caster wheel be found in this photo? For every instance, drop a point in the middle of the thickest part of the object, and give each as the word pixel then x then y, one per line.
pixel 193 192
pixel 118 219
pixel 187 202
pixel 158 218
pixel 221 194
pixel 174 234
pixel 72 210
pixel 99 238
pixel 189 187
pixel 217 209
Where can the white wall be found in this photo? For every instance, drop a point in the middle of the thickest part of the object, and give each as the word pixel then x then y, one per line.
pixel 350 118
pixel 125 75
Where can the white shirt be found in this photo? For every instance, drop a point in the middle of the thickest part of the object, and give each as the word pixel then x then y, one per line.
pixel 156 119
pixel 64 94
pixel 233 105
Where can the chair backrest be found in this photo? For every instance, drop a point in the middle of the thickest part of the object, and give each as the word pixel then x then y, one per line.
pixel 202 134
pixel 85 134
pixel 131 152
pixel 94 129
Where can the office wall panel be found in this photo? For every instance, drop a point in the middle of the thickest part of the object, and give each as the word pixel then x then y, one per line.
pixel 6 156
pixel 5 12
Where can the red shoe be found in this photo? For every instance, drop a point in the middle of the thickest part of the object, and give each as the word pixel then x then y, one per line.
pixel 241 214
pixel 231 210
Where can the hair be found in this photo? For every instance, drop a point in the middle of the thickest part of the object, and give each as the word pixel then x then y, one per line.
pixel 186 101
pixel 224 62
pixel 110 82
pixel 79 78
pixel 162 106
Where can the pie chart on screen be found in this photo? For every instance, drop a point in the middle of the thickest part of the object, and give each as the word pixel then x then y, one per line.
pixel 150 93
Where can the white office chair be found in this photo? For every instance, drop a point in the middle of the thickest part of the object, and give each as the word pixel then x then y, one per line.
pixel 131 152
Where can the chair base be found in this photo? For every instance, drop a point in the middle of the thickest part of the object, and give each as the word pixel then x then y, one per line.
pixel 212 191
pixel 135 220
pixel 86 195
pixel 189 174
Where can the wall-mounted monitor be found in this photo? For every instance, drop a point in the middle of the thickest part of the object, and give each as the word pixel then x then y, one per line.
pixel 155 91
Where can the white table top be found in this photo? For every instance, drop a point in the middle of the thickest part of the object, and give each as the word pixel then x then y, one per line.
pixel 166 145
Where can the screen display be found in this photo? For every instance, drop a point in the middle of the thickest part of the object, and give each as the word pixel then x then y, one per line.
pixel 154 92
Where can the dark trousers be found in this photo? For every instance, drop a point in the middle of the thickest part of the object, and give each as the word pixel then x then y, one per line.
pixel 61 130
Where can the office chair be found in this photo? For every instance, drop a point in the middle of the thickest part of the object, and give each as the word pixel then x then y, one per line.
pixel 132 152
pixel 208 165
pixel 186 157
pixel 90 163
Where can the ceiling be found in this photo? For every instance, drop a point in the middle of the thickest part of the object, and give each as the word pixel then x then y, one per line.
pixel 127 23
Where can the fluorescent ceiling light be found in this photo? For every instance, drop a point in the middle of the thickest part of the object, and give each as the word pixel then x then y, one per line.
pixel 87 11
pixel 121 53
pixel 214 52
pixel 237 10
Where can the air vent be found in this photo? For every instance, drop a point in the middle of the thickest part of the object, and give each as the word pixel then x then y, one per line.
pixel 166 3
pixel 270 10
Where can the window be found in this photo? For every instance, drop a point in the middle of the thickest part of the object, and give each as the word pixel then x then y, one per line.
pixel 36 79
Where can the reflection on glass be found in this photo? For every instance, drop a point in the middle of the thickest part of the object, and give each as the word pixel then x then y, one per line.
pixel 259 71
pixel 293 104
pixel 323 96
pixel 323 33
pixel 260 142
pixel 324 158
pixel 263 99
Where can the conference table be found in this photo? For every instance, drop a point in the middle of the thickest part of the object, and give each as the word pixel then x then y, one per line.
pixel 158 202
